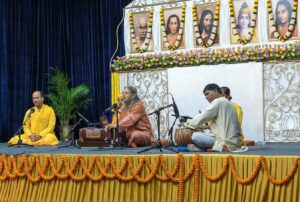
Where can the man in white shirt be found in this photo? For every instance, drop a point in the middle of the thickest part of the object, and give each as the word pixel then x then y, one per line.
pixel 223 123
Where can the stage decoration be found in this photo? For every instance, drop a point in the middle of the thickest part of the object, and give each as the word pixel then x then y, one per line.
pixel 292 23
pixel 115 87
pixel 213 35
pixel 13 167
pixel 282 102
pixel 235 29
pixel 145 45
pixel 180 33
pixel 208 56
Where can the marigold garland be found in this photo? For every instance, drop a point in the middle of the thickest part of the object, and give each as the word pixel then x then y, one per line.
pixel 235 28
pixel 292 23
pixel 180 33
pixel 10 169
pixel 146 43
pixel 197 178
pixel 213 35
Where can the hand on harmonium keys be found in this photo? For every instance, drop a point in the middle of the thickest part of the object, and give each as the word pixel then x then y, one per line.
pixel 110 126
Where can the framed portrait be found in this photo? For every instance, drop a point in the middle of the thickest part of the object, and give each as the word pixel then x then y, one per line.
pixel 282 14
pixel 243 13
pixel 205 20
pixel 173 28
pixel 141 35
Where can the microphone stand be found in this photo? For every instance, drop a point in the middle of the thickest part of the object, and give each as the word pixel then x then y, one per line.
pixel 116 138
pixel 170 134
pixel 158 144
pixel 19 132
pixel 71 133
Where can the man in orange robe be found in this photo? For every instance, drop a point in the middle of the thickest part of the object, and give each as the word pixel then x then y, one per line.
pixel 134 120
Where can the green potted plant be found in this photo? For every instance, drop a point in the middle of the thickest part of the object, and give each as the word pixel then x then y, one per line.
pixel 65 100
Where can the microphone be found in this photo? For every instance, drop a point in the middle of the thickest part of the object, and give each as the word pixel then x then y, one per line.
pixel 30 112
pixel 82 117
pixel 114 106
pixel 175 108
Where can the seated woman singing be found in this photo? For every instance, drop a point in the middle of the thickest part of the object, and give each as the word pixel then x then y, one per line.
pixel 134 120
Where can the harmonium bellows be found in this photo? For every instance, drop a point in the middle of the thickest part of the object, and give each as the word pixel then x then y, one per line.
pixel 93 137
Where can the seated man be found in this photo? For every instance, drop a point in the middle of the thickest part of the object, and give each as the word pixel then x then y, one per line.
pixel 223 121
pixel 238 109
pixel 134 120
pixel 39 128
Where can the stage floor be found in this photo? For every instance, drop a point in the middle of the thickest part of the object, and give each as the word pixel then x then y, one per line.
pixel 269 149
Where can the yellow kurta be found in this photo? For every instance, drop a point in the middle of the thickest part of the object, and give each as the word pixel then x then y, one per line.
pixel 239 112
pixel 41 122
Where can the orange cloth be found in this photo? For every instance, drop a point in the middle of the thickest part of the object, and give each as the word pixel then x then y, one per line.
pixel 283 29
pixel 137 125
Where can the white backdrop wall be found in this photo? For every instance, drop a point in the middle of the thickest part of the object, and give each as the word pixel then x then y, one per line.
pixel 246 84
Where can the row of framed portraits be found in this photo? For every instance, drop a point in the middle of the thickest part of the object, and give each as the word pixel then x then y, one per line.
pixel 206 25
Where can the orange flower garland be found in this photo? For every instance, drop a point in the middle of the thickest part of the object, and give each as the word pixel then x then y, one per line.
pixel 197 178
pixel 34 171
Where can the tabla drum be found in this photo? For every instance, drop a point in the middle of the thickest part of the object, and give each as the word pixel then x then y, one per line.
pixel 183 136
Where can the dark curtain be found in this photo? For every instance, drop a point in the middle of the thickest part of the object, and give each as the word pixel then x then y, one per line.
pixel 78 36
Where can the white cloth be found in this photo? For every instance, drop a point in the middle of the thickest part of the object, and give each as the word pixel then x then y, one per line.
pixel 223 122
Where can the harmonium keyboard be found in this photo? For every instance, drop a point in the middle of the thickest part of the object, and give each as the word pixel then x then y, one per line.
pixel 93 137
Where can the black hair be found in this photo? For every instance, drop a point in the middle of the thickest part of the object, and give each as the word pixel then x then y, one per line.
pixel 203 15
pixel 288 7
pixel 212 87
pixel 226 91
pixel 169 19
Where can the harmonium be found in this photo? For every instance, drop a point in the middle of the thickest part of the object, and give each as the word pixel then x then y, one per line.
pixel 93 137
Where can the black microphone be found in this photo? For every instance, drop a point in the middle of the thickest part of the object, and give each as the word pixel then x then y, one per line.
pixel 28 116
pixel 82 117
pixel 114 106
pixel 30 112
pixel 175 107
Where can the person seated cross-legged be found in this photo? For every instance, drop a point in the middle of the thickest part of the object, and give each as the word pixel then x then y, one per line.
pixel 39 128
pixel 223 122
pixel 134 123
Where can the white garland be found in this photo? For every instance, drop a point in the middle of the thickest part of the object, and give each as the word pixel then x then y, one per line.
pixel 234 28
pixel 291 26
pixel 180 33
pixel 213 34
pixel 146 43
